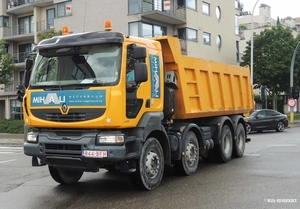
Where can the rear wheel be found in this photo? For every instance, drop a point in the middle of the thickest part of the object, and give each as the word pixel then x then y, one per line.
pixel 189 162
pixel 280 126
pixel 239 142
pixel 223 151
pixel 65 176
pixel 150 166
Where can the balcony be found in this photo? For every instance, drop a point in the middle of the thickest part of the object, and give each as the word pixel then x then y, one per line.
pixel 25 6
pixel 21 32
pixel 20 57
pixel 44 25
pixel 155 10
pixel 12 88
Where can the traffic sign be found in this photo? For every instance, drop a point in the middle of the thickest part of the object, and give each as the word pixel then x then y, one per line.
pixel 292 102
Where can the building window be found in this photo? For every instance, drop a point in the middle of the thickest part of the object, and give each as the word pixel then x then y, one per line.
pixel 16 110
pixel 146 30
pixel 237 27
pixel 3 21
pixel 219 42
pixel 64 9
pixel 24 50
pixel 50 18
pixel 237 4
pixel 218 12
pixel 205 8
pixel 25 25
pixel 133 6
pixel 134 28
pixel 206 38
pixel 187 34
pixel 237 51
pixel 191 4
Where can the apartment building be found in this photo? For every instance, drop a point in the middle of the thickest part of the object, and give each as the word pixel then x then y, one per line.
pixel 207 29
pixel 264 21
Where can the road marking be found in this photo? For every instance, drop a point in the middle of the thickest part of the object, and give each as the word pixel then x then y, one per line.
pixel 11 150
pixel 252 155
pixel 14 148
pixel 7 161
pixel 282 145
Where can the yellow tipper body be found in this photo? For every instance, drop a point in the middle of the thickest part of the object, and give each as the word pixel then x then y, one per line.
pixel 206 88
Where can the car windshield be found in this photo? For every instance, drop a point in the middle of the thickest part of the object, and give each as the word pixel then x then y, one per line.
pixel 253 114
pixel 84 65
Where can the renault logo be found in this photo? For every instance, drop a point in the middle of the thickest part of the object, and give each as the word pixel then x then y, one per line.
pixel 64 107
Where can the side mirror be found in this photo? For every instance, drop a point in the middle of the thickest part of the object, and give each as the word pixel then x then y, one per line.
pixel 139 52
pixel 27 73
pixel 28 64
pixel 140 72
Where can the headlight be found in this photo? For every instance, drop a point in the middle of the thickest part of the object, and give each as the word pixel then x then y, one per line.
pixel 32 137
pixel 107 139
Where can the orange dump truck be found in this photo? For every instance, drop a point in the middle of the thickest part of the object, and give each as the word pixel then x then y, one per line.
pixel 102 100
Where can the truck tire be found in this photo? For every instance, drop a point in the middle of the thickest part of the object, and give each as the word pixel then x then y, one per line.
pixel 65 176
pixel 189 162
pixel 150 166
pixel 239 142
pixel 223 151
pixel 55 175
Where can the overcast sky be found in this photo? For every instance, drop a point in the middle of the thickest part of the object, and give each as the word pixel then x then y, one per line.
pixel 281 8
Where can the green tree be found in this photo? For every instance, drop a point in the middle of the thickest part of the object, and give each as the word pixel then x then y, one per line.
pixel 272 54
pixel 297 63
pixel 7 66
pixel 49 34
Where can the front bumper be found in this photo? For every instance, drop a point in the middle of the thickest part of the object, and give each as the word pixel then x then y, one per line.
pixel 58 152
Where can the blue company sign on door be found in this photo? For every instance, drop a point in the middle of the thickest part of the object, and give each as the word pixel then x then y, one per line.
pixel 155 76
pixel 71 98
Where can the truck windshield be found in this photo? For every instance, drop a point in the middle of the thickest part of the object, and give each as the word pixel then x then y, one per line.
pixel 80 65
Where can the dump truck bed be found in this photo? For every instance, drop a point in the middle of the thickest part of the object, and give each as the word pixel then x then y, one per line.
pixel 206 88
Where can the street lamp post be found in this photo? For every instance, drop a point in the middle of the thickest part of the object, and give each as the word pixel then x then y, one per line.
pixel 252 42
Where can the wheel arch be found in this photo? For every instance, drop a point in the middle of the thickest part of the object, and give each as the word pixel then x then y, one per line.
pixel 184 128
pixel 236 120
pixel 162 138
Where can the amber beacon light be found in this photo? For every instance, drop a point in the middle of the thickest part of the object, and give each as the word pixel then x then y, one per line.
pixel 65 30
pixel 107 25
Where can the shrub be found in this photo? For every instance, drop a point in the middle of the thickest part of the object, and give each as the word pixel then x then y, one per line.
pixel 11 126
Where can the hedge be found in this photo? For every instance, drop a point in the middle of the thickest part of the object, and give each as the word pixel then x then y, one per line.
pixel 11 126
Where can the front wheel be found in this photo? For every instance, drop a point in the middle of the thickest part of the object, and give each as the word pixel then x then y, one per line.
pixel 189 162
pixel 280 126
pixel 65 176
pixel 150 166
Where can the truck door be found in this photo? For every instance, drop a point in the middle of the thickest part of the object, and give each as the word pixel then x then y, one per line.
pixel 133 104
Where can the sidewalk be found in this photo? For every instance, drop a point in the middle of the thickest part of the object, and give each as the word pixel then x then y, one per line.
pixel 18 139
pixel 11 139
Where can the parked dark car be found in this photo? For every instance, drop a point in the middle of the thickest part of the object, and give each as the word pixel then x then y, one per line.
pixel 266 119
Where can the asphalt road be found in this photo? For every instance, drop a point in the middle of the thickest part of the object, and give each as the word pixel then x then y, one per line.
pixel 267 176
